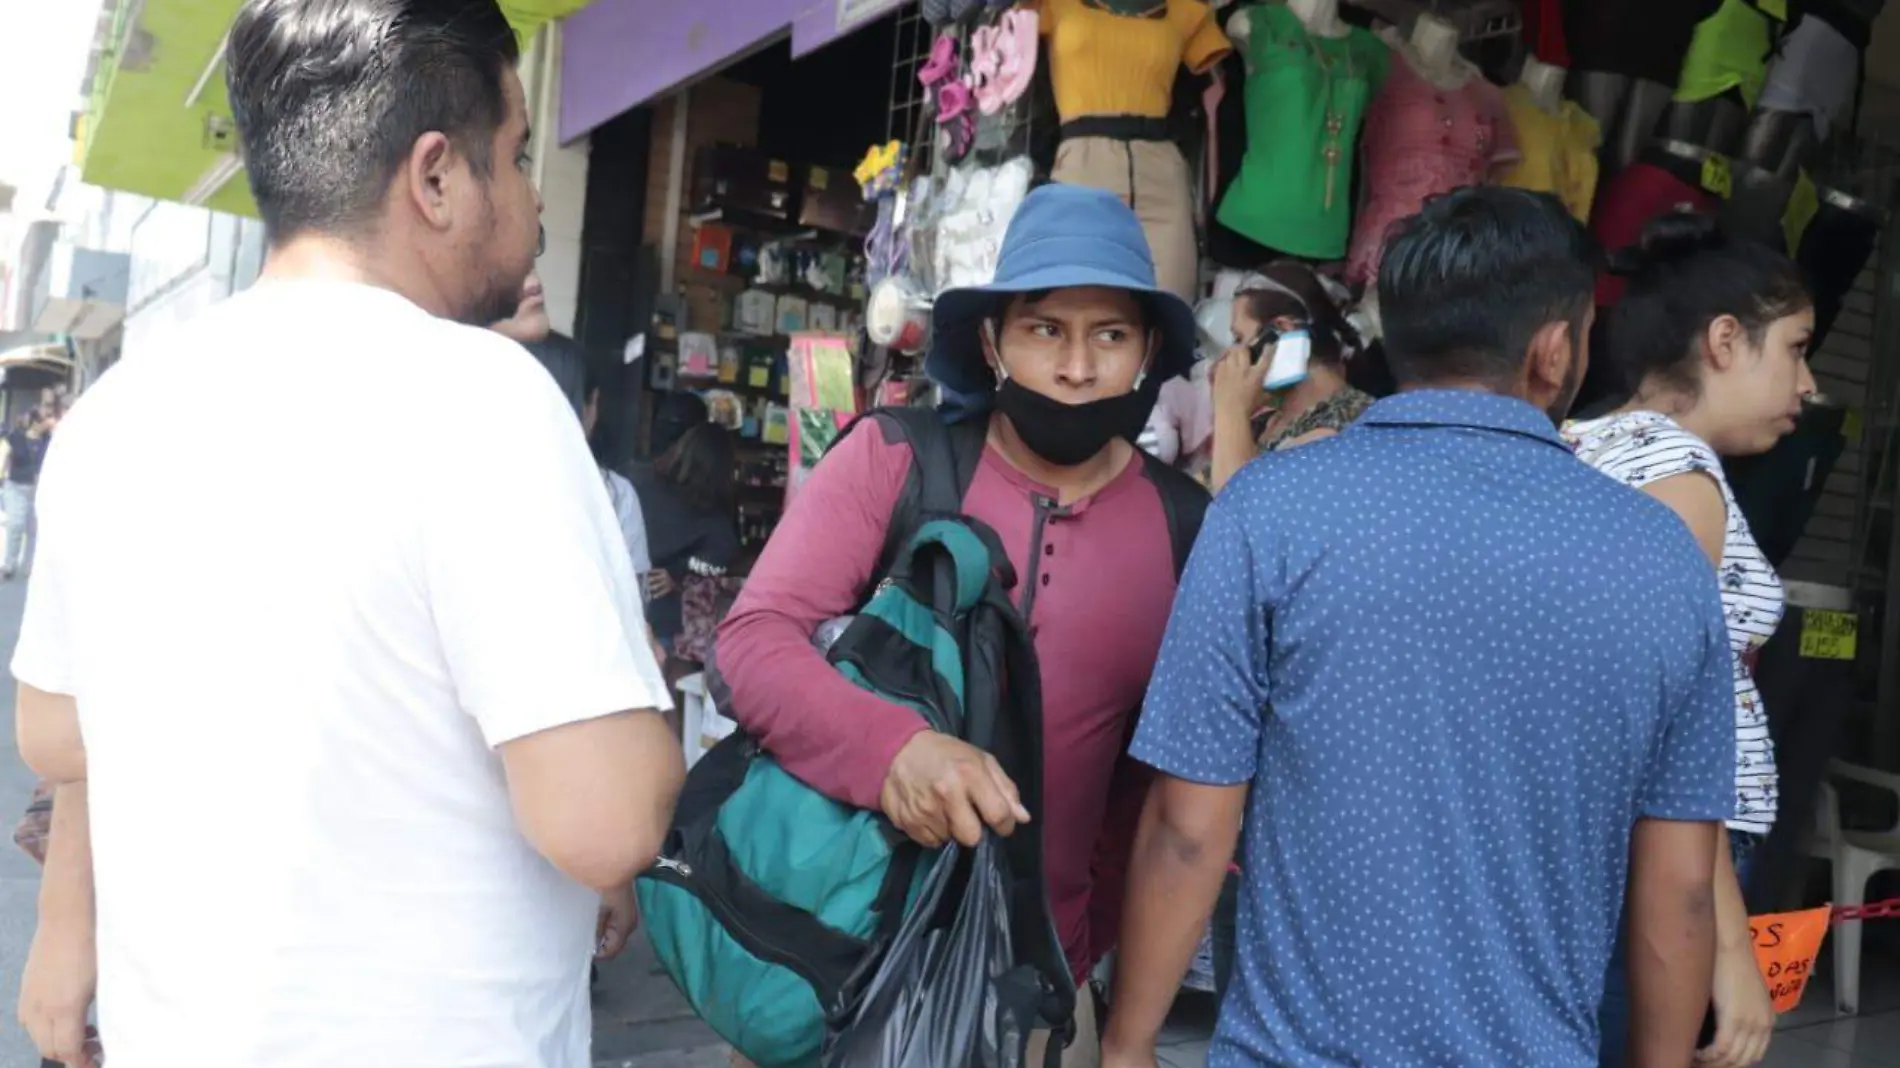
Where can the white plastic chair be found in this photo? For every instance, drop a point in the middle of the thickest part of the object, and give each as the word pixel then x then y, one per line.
pixel 1856 857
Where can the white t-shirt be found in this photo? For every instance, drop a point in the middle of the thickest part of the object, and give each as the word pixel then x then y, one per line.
pixel 301 589
pixel 1638 448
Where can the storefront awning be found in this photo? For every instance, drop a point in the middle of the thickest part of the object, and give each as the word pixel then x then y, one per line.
pixel 51 358
pixel 618 54
pixel 158 122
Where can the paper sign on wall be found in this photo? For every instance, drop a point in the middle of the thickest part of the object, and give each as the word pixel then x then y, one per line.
pixel 1785 946
pixel 1829 635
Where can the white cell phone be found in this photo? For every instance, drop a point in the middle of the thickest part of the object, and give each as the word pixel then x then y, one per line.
pixel 1290 355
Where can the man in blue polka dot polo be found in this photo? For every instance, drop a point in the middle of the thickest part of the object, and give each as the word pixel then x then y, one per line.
pixel 1400 663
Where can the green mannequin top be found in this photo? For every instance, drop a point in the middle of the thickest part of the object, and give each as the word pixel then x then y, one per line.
pixel 1306 98
pixel 1730 51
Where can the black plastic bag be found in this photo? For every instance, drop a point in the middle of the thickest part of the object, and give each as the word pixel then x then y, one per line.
pixel 948 993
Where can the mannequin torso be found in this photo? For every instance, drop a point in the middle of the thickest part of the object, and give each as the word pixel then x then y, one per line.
pixel 1320 17
pixel 1435 125
pixel 1545 82
pixel 1432 52
pixel 1557 139
pixel 1306 96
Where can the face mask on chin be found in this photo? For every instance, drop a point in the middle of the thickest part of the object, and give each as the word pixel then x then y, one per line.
pixel 1068 435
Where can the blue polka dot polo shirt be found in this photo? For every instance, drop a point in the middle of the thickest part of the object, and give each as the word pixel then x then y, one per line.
pixel 1455 664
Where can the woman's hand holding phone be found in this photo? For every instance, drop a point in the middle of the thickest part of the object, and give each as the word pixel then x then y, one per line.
pixel 1240 377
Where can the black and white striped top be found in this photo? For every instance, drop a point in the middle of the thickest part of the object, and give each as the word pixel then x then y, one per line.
pixel 1638 448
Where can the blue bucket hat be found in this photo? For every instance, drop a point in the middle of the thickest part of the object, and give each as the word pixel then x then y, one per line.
pixel 1061 237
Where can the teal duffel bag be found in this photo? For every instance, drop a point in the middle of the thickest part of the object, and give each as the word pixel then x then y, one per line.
pixel 771 899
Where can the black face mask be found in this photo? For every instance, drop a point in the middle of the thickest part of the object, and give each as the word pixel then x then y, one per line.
pixel 1070 434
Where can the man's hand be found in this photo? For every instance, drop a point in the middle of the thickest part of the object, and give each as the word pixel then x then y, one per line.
pixel 56 992
pixel 940 788
pixel 619 918
pixel 1744 1013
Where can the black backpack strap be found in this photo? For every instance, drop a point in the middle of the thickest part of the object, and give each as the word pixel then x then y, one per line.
pixel 1183 501
pixel 944 459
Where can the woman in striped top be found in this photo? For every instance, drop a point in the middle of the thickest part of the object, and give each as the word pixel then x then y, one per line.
pixel 1711 338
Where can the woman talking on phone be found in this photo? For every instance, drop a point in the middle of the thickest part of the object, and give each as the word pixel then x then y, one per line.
pixel 1292 356
pixel 1711 340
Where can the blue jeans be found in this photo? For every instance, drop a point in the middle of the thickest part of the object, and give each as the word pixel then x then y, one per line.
pixel 1613 1019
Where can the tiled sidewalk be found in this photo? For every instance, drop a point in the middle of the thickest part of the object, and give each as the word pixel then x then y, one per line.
pixel 640 1022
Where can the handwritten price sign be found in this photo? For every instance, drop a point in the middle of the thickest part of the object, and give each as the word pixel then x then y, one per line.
pixel 1785 947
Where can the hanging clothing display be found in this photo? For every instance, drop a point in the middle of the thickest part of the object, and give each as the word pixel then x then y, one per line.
pixel 1135 160
pixel 1113 79
pixel 1778 490
pixel 1729 51
pixel 1558 152
pixel 1639 38
pixel 1544 31
pixel 1637 194
pixel 1306 98
pixel 1814 73
pixel 1421 140
pixel 1835 248
pixel 1102 63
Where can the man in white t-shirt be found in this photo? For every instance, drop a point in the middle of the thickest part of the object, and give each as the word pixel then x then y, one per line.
pixel 365 744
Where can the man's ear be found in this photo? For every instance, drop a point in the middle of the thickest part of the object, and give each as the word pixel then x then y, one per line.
pixel 425 179
pixel 1548 364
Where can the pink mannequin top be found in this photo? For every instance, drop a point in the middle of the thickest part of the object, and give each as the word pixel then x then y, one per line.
pixel 1419 141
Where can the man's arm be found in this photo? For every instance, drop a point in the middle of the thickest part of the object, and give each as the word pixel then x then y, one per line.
pixel 832 734
pixel 1744 1012
pixel 61 977
pixel 46 726
pixel 1186 839
pixel 1671 939
pixel 1210 682
pixel 540 625
pixel 596 797
pixel 845 741
pixel 1688 791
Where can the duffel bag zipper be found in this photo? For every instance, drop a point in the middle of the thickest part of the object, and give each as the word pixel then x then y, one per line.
pixel 680 873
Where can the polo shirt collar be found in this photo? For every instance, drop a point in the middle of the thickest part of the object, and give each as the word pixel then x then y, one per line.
pixel 1468 409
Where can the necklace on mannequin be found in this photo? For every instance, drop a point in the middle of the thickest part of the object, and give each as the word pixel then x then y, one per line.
pixel 1332 152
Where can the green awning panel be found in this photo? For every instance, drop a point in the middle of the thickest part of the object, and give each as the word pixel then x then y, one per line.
pixel 159 123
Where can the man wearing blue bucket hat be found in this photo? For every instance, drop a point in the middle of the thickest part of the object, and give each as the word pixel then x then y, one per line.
pixel 1395 665
pixel 1062 356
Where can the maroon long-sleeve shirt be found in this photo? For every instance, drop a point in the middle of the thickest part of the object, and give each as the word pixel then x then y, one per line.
pixel 1096 578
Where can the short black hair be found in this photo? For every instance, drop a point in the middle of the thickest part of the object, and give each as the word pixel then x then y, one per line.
pixel 331 95
pixel 1465 284
pixel 1685 272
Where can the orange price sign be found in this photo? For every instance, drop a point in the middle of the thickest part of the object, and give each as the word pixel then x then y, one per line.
pixel 1785 947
